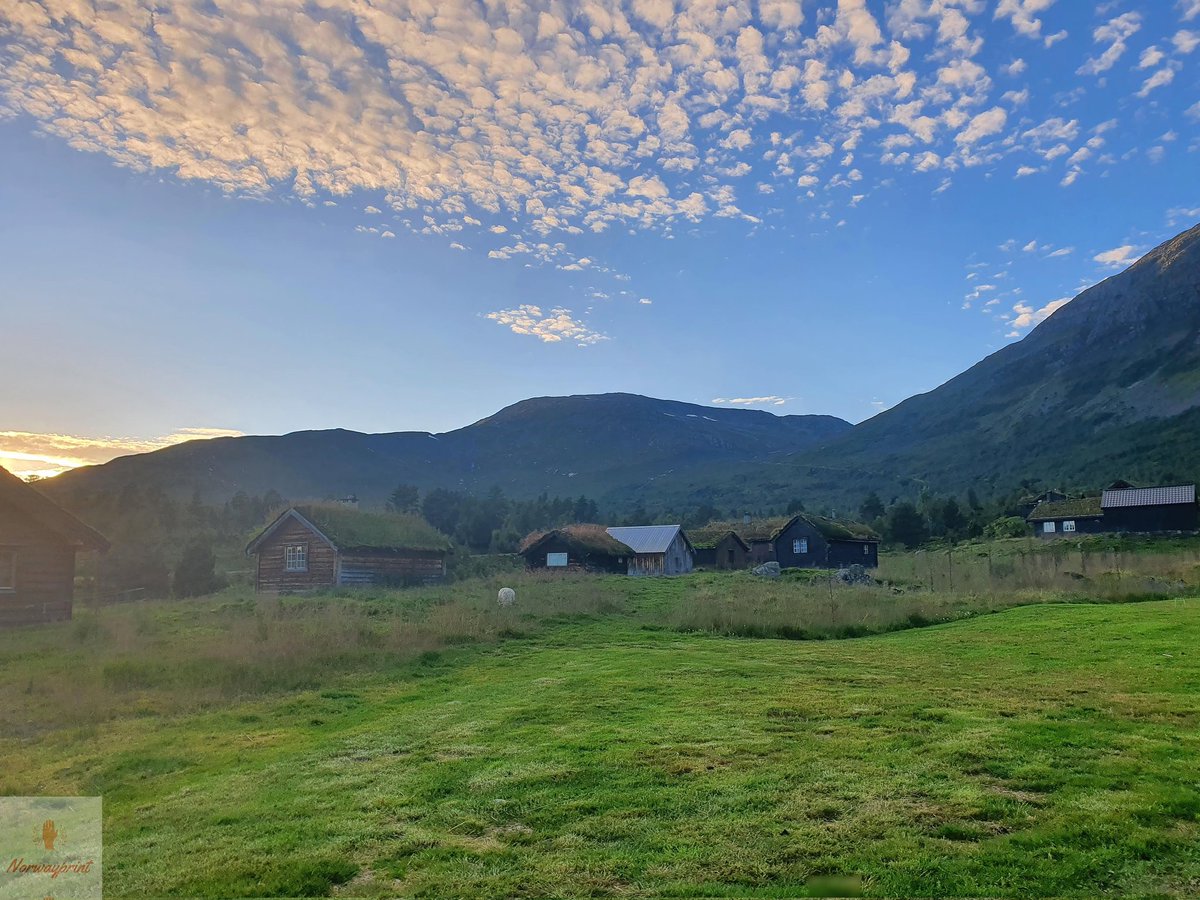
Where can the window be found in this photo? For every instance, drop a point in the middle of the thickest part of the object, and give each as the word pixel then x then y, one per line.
pixel 1048 528
pixel 800 546
pixel 295 558
pixel 8 571
pixel 1069 525
pixel 556 560
pixel 866 549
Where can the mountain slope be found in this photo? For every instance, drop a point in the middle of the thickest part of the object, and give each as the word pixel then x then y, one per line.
pixel 1107 387
pixel 590 444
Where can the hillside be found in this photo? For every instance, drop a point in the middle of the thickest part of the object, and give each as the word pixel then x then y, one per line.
pixel 590 444
pixel 1108 387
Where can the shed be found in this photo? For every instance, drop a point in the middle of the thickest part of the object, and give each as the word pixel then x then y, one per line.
pixel 1170 507
pixel 657 549
pixel 576 547
pixel 719 548
pixel 326 545
pixel 1067 517
pixel 38 543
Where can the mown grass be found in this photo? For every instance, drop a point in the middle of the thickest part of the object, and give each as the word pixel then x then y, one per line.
pixel 609 736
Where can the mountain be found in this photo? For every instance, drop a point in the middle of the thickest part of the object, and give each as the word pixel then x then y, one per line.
pixel 1107 387
pixel 591 444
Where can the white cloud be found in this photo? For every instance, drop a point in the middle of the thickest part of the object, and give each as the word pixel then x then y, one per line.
pixel 1026 316
pixel 1061 251
pixel 551 327
pixel 1185 41
pixel 1115 33
pixel 1118 257
pixel 1190 9
pixel 1023 14
pixel 771 400
pixel 1159 79
pixel 983 125
pixel 372 210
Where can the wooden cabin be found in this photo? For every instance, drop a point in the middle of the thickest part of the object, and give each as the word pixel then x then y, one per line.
pixel 328 545
pixel 586 548
pixel 657 549
pixel 1151 510
pixel 38 543
pixel 1066 518
pixel 719 548
pixel 807 542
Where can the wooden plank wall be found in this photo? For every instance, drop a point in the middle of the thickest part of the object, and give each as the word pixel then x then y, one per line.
pixel 322 561
pixel 376 568
pixel 45 570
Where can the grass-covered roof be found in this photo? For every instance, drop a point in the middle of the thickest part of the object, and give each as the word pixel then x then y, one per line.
pixel 710 536
pixel 354 529
pixel 769 529
pixel 586 539
pixel 1081 508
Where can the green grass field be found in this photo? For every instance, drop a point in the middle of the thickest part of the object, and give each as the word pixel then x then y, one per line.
pixel 597 741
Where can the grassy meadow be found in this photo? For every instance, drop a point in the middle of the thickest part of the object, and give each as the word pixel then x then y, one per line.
pixel 713 735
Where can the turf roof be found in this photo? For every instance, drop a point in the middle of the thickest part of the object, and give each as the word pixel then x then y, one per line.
pixel 1081 508
pixel 585 538
pixel 353 529
pixel 709 537
pixel 769 529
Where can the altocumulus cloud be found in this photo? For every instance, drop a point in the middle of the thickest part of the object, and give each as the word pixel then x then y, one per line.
pixel 552 327
pixel 555 117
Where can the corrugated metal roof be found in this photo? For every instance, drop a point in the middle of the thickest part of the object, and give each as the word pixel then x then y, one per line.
pixel 645 538
pixel 1151 496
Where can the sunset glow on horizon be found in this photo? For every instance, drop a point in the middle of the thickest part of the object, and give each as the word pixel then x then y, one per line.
pixel 26 454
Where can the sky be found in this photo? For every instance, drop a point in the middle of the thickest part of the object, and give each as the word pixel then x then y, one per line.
pixel 262 216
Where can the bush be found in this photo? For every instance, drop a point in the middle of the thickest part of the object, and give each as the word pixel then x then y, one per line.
pixel 196 573
pixel 1007 527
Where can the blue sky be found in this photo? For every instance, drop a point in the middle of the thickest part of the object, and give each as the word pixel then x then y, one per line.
pixel 229 216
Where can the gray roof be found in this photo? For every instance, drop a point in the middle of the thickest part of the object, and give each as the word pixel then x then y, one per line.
pixel 646 538
pixel 1168 495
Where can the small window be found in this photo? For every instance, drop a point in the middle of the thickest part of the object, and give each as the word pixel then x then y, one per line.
pixel 8 571
pixel 800 546
pixel 556 560
pixel 1069 525
pixel 295 558
pixel 866 549
pixel 1048 528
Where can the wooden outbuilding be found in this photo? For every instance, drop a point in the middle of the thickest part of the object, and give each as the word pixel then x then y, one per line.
pixel 806 541
pixel 718 548
pixel 587 548
pixel 1151 510
pixel 328 545
pixel 1066 518
pixel 657 549
pixel 38 543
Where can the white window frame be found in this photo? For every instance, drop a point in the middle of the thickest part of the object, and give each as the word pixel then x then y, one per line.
pixel 557 560
pixel 8 571
pixel 866 549
pixel 295 558
pixel 1048 528
pixel 800 546
pixel 1069 525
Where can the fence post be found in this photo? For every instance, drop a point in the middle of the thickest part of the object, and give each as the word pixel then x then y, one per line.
pixel 950 557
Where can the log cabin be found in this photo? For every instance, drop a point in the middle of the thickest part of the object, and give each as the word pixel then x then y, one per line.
pixel 807 541
pixel 38 543
pixel 719 548
pixel 587 548
pixel 325 545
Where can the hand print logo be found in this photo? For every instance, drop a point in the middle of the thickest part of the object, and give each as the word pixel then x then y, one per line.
pixel 49 834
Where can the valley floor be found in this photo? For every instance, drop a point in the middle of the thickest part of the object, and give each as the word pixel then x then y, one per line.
pixel 1040 751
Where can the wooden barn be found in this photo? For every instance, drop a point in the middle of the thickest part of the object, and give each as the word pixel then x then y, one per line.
pixel 1150 510
pixel 1064 518
pixel 719 548
pixel 809 542
pixel 657 549
pixel 586 548
pixel 317 546
pixel 38 543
